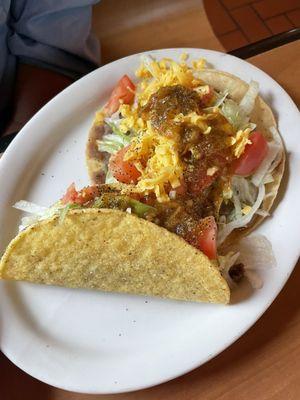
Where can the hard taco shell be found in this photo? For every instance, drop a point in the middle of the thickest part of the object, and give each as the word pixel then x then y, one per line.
pixel 113 251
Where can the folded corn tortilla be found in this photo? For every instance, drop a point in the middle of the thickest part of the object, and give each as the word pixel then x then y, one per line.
pixel 113 251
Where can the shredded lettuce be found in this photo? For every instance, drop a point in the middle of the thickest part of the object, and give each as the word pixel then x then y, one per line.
pixel 30 207
pixel 232 112
pixel 114 127
pixel 112 143
pixel 115 141
pixel 220 98
pixel 276 135
pixel 243 193
pixel 278 141
pixel 245 189
pixel 265 166
pixel 238 114
pixel 247 103
pixel 62 212
pixel 37 212
pixel 237 205
pixel 109 178
pixel 235 115
pixel 242 221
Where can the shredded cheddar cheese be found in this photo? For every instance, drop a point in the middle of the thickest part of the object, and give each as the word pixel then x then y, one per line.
pixel 246 209
pixel 131 119
pixel 195 119
pixel 165 73
pixel 239 141
pixel 157 158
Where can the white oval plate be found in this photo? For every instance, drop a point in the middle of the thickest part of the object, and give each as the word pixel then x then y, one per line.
pixel 94 342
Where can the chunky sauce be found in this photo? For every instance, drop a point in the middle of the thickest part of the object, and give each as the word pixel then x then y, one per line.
pixel 166 103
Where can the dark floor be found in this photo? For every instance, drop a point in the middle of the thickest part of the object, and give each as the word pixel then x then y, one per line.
pixel 240 22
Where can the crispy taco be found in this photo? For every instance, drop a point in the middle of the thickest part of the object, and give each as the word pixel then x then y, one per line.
pixel 84 246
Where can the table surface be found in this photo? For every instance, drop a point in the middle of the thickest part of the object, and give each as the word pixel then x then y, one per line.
pixel 131 26
pixel 263 364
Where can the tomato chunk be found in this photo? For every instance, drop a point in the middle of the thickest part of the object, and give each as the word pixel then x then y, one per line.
pixel 122 93
pixel 72 196
pixel 253 155
pixel 123 171
pixel 87 194
pixel 204 237
pixel 207 237
pixel 200 181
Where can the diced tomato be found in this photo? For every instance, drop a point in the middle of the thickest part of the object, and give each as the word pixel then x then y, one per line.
pixel 73 196
pixel 70 195
pixel 123 171
pixel 207 237
pixel 207 240
pixel 122 93
pixel 253 155
pixel 87 194
pixel 200 180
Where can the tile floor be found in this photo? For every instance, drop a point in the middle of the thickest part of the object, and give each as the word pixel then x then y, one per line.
pixel 240 22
